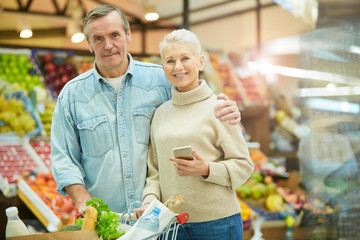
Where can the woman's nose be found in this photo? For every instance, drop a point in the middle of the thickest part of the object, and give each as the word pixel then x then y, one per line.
pixel 178 65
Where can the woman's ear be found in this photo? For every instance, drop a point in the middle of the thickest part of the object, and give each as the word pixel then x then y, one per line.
pixel 202 63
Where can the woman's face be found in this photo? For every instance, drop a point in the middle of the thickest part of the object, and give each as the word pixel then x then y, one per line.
pixel 108 41
pixel 182 66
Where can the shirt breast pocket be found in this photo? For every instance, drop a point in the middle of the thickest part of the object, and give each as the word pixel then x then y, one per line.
pixel 142 119
pixel 95 136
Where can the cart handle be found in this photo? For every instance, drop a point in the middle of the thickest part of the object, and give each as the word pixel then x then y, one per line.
pixel 182 217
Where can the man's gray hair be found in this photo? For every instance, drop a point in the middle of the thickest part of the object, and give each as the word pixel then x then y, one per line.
pixel 101 11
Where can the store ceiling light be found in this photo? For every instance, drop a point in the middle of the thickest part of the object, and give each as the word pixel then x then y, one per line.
pixel 77 37
pixel 150 13
pixel 323 92
pixel 331 88
pixel 26 33
pixel 151 16
pixel 333 105
pixel 301 73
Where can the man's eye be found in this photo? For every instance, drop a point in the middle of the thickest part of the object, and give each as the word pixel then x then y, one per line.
pixel 115 35
pixel 170 61
pixel 97 39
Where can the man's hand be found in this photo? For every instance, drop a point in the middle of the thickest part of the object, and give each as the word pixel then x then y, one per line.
pixel 196 167
pixel 79 195
pixel 227 110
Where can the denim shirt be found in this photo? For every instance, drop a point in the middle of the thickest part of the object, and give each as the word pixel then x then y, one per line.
pixel 100 137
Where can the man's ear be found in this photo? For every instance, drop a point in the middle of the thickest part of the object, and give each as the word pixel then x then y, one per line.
pixel 90 48
pixel 128 37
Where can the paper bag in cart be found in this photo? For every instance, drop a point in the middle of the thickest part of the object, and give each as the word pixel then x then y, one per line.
pixel 78 235
pixel 165 217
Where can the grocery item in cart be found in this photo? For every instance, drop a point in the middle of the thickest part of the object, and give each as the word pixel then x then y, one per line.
pixel 150 221
pixel 168 224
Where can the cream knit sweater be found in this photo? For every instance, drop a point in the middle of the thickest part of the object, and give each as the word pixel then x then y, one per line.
pixel 189 119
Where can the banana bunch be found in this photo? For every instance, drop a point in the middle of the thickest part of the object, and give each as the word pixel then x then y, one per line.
pixel 274 203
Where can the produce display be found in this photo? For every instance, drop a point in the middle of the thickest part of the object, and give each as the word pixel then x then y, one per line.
pixel 230 85
pixel 19 70
pixel 253 91
pixel 84 63
pixel 14 160
pixel 46 116
pixel 263 193
pixel 14 118
pixel 44 186
pixel 57 70
pixel 43 150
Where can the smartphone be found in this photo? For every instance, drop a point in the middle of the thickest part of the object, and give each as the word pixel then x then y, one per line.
pixel 183 152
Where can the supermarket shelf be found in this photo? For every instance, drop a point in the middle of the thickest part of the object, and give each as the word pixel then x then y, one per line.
pixel 38 207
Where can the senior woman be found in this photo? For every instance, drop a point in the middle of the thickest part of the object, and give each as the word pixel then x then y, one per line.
pixel 221 159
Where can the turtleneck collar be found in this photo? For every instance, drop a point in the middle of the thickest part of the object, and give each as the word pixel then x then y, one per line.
pixel 198 94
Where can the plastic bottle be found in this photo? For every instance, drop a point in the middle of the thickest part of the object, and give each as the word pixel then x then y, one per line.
pixel 14 227
pixel 289 234
pixel 150 221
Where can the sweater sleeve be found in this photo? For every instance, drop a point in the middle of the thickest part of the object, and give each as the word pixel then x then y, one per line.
pixel 236 166
pixel 152 186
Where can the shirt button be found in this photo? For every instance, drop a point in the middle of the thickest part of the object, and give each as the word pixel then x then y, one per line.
pixel 130 197
pixel 122 134
pixel 124 155
pixel 113 96
pixel 121 114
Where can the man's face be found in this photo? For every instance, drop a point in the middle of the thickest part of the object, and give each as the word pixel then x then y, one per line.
pixel 108 41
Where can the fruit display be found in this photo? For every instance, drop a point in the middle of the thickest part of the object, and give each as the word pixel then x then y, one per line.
pixel 252 88
pixel 14 117
pixel 43 150
pixel 14 160
pixel 245 210
pixel 57 70
pixel 230 85
pixel 19 70
pixel 254 93
pixel 84 63
pixel 46 116
pixel 44 186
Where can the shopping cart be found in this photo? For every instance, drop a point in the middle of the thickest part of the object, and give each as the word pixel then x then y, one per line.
pixel 168 233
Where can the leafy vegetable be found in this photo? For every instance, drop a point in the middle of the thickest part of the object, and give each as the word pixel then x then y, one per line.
pixel 107 225
pixel 71 228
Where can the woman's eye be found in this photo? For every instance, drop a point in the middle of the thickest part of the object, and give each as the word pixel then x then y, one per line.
pixel 170 61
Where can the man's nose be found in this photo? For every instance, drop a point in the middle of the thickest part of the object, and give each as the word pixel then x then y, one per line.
pixel 108 44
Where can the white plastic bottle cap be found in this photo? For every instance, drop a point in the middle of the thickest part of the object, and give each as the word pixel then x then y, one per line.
pixel 11 211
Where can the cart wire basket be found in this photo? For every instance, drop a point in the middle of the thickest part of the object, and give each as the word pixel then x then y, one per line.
pixel 168 233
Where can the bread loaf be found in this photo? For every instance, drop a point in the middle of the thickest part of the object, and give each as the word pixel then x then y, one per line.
pixel 175 202
pixel 90 218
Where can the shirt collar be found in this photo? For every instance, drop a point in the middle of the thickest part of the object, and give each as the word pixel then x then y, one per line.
pixel 129 70
pixel 198 94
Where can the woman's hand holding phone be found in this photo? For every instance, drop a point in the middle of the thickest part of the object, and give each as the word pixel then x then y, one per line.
pixel 184 167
